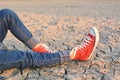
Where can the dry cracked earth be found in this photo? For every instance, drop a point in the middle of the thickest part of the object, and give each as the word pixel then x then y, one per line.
pixel 63 25
pixel 66 32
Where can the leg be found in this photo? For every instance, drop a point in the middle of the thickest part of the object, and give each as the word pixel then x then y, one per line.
pixel 9 20
pixel 21 60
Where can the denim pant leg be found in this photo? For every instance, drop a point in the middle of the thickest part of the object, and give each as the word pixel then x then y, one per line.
pixel 18 59
pixel 9 20
pixel 49 59
pixel 14 59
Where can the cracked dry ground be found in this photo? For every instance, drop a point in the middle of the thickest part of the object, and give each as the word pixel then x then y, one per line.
pixel 65 32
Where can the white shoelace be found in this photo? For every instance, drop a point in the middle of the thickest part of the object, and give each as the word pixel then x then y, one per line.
pixel 85 43
pixel 47 48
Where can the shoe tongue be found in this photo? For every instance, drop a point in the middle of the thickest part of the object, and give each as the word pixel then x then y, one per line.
pixel 90 35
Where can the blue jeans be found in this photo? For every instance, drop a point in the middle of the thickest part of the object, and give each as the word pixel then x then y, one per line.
pixel 9 20
pixel 18 59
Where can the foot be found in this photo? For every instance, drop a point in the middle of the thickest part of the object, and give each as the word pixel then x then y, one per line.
pixel 85 50
pixel 42 48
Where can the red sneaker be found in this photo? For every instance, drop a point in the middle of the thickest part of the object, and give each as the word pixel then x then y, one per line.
pixel 85 50
pixel 42 48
